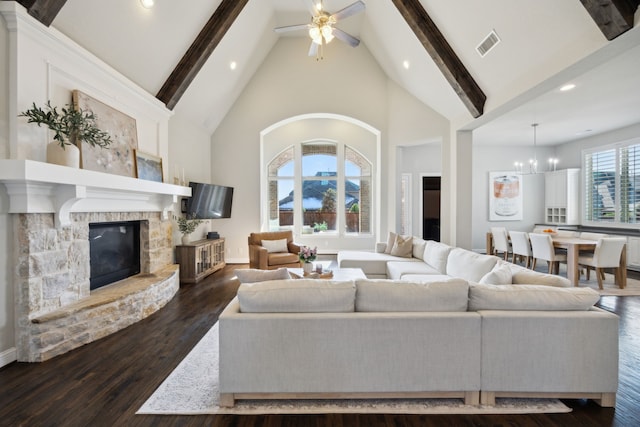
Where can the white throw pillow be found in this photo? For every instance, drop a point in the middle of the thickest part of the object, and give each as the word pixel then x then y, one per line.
pixel 402 247
pixel 436 254
pixel 530 297
pixel 252 275
pixel 469 265
pixel 275 245
pixel 500 275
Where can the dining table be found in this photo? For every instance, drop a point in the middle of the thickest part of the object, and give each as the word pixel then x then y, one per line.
pixel 573 246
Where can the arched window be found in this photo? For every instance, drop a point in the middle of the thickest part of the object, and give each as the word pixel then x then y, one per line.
pixel 334 181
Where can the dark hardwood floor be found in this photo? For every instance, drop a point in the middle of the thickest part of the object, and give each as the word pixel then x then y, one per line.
pixel 104 383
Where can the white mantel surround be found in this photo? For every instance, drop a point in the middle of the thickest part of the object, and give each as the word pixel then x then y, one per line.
pixel 53 207
pixel 37 187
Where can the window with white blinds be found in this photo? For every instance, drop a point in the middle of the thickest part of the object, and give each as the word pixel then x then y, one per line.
pixel 612 184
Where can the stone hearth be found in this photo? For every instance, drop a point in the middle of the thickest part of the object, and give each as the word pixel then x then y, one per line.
pixel 53 206
pixel 55 309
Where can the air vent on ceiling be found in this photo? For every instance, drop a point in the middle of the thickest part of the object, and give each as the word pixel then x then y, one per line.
pixel 488 43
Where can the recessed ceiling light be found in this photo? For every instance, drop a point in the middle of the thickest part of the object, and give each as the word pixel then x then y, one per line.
pixel 406 64
pixel 567 87
pixel 147 4
pixel 233 65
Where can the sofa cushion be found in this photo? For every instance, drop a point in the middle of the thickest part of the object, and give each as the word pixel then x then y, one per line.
pixel 524 276
pixel 418 246
pixel 252 275
pixel 403 246
pixel 469 265
pixel 402 296
pixel 371 263
pixel 297 296
pixel 436 254
pixel 272 246
pixel 530 297
pixel 499 275
pixel 425 278
pixel 397 269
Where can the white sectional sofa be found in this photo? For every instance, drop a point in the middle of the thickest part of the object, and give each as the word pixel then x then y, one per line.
pixel 447 337
pixel 432 260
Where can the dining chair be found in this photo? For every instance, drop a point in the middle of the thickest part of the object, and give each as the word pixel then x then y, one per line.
pixel 520 245
pixel 606 255
pixel 501 241
pixel 542 248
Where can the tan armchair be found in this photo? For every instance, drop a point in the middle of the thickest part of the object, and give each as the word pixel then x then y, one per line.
pixel 260 258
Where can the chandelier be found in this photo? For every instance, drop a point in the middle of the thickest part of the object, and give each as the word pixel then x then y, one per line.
pixel 533 163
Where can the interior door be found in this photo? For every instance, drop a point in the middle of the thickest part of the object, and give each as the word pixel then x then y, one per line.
pixel 431 208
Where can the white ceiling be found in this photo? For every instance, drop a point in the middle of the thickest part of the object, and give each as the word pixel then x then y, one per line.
pixel 544 44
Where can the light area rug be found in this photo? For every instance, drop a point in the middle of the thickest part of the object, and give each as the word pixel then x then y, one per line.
pixel 192 389
pixel 609 286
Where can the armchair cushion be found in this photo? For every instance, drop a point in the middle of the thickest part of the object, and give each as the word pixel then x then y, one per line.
pixel 275 245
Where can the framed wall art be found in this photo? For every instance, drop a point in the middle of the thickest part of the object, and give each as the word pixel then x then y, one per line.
pixel 118 158
pixel 148 166
pixel 505 196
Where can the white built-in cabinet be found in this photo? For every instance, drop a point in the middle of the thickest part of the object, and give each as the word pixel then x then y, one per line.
pixel 562 197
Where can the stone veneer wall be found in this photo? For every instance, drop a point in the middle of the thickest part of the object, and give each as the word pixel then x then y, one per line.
pixel 52 272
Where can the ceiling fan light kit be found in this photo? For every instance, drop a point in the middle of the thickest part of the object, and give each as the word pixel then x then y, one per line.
pixel 321 29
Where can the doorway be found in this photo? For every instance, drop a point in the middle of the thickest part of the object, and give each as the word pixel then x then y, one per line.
pixel 431 208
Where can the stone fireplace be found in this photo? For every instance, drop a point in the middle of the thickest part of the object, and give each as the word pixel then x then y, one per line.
pixel 56 310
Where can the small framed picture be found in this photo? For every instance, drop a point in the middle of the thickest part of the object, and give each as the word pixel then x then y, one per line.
pixel 148 166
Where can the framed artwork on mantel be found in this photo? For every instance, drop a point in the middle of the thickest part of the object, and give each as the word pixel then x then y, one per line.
pixel 119 157
pixel 148 166
pixel 505 196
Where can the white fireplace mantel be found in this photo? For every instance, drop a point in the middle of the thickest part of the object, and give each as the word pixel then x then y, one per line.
pixel 37 187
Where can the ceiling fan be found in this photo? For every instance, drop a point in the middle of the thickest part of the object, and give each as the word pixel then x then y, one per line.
pixel 321 29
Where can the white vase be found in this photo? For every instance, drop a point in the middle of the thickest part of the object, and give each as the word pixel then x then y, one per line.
pixel 186 239
pixel 67 156
pixel 307 267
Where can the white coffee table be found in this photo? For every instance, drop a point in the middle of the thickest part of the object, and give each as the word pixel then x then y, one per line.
pixel 338 273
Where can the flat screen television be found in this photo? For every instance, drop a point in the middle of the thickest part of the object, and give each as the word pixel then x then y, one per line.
pixel 209 201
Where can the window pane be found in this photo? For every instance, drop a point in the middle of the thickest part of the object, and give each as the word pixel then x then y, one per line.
pixel 629 184
pixel 280 204
pixel 600 170
pixel 319 204
pixel 357 205
pixel 282 164
pixel 319 160
pixel 355 163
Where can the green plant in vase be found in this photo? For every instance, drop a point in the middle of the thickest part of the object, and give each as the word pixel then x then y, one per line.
pixel 186 226
pixel 71 127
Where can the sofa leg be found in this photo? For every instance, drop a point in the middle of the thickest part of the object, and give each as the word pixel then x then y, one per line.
pixel 487 398
pixel 227 400
pixel 607 400
pixel 472 398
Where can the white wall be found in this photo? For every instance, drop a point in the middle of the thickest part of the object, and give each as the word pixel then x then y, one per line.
pixel 501 158
pixel 189 157
pixel 40 64
pixel 289 84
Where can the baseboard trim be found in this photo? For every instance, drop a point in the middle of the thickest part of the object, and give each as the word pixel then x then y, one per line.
pixel 8 356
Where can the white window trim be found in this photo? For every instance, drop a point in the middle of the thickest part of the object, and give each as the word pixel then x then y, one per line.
pixel 616 223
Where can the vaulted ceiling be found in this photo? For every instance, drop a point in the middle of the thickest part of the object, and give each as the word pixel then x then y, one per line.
pixel 543 45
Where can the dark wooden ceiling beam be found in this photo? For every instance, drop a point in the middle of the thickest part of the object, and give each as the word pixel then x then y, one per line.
pixel 443 55
pixel 44 11
pixel 613 17
pixel 199 51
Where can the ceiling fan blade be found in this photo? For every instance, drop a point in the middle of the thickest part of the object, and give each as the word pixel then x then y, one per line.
pixel 313 49
pixel 347 38
pixel 291 28
pixel 352 9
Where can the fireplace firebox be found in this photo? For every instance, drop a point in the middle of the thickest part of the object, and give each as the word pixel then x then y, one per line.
pixel 114 252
